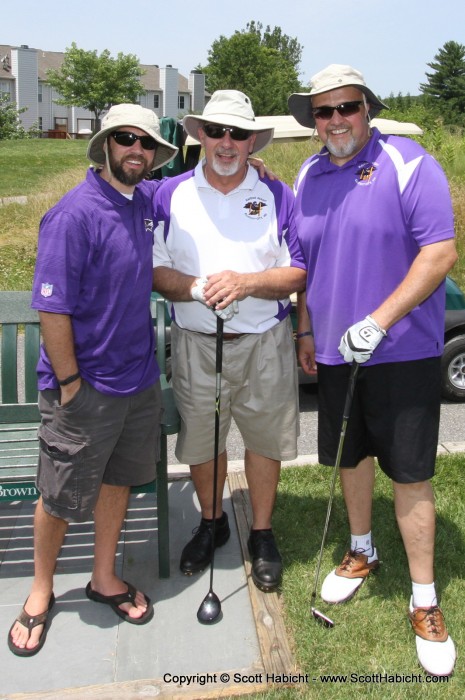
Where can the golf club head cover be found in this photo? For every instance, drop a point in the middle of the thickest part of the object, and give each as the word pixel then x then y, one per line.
pixel 197 290
pixel 227 313
pixel 360 340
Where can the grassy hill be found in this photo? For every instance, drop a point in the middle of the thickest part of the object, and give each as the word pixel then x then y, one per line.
pixel 44 169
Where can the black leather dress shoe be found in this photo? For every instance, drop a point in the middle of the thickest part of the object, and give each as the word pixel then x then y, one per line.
pixel 197 553
pixel 267 564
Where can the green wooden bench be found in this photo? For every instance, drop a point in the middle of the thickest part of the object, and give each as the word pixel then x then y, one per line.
pixel 19 413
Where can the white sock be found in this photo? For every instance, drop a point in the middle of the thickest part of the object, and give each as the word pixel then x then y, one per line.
pixel 424 595
pixel 364 545
pixel 361 543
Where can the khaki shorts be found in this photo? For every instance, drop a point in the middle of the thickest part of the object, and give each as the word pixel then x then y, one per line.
pixel 259 389
pixel 93 439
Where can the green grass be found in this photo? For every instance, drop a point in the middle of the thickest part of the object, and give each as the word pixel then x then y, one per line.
pixel 44 169
pixel 28 165
pixel 285 159
pixel 371 634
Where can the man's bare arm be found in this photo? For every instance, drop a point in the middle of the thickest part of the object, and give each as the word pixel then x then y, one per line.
pixel 172 284
pixel 427 271
pixel 306 343
pixel 58 338
pixel 226 286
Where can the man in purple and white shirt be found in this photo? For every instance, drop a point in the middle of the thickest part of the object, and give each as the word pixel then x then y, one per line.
pixel 100 398
pixel 226 244
pixel 374 219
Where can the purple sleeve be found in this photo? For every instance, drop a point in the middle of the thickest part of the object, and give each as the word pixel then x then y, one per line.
pixel 63 248
pixel 427 203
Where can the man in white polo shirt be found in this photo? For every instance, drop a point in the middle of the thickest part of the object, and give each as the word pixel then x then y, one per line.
pixel 226 244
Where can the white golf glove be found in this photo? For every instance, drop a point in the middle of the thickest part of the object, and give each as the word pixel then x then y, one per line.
pixel 197 293
pixel 360 340
pixel 227 313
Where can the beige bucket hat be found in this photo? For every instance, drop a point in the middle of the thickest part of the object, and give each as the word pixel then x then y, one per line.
pixel 229 108
pixel 135 116
pixel 334 76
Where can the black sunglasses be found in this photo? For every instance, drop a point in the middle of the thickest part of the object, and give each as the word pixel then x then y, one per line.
pixel 217 131
pixel 127 138
pixel 346 109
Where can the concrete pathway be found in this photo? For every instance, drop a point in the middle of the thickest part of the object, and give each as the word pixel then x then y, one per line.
pixel 88 651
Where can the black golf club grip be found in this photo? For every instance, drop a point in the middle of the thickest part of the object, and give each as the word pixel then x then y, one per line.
pixel 350 390
pixel 219 344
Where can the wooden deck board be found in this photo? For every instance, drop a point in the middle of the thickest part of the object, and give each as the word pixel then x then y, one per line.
pixel 275 650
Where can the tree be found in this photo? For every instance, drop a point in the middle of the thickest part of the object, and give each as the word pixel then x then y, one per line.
pixel 96 82
pixel 264 66
pixel 10 122
pixel 445 88
pixel 288 47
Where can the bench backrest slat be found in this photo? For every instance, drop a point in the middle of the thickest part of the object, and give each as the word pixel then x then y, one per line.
pixel 20 328
pixel 31 355
pixel 9 363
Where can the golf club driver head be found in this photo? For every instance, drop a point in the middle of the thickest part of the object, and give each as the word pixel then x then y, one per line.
pixel 321 618
pixel 210 609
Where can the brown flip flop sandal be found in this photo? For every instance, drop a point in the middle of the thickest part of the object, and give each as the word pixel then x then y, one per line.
pixel 114 601
pixel 31 621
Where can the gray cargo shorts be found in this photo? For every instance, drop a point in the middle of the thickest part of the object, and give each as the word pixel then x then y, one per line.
pixel 95 438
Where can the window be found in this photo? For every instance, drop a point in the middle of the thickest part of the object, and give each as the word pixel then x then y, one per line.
pixel 156 101
pixel 5 89
pixel 85 126
pixel 39 95
pixel 61 124
pixel 181 101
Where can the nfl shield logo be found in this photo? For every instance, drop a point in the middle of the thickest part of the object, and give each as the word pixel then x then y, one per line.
pixel 46 289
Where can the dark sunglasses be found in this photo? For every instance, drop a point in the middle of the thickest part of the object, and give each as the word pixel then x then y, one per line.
pixel 346 109
pixel 217 131
pixel 127 138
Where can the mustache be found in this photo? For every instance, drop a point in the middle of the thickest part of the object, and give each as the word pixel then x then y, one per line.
pixel 226 152
pixel 140 158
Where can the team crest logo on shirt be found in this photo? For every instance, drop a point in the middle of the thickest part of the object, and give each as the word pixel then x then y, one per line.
pixel 255 208
pixel 148 225
pixel 365 173
pixel 46 289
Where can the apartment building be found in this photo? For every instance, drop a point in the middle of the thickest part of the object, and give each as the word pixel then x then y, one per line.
pixel 23 79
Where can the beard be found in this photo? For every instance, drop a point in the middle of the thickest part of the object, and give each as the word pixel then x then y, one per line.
pixel 345 150
pixel 130 177
pixel 225 169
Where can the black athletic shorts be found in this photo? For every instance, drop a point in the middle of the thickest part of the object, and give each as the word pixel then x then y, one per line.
pixel 394 417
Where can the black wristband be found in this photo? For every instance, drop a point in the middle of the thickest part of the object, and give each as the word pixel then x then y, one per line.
pixel 302 335
pixel 69 380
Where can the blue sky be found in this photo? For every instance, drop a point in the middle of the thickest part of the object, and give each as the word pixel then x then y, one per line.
pixel 390 41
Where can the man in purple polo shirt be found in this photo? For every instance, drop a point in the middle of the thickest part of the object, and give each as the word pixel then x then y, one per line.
pixel 374 219
pixel 100 398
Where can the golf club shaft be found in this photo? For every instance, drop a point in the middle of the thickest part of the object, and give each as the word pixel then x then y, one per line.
pixel 345 418
pixel 219 368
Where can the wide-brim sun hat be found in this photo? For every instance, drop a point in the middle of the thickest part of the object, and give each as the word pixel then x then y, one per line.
pixel 135 116
pixel 331 78
pixel 229 108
